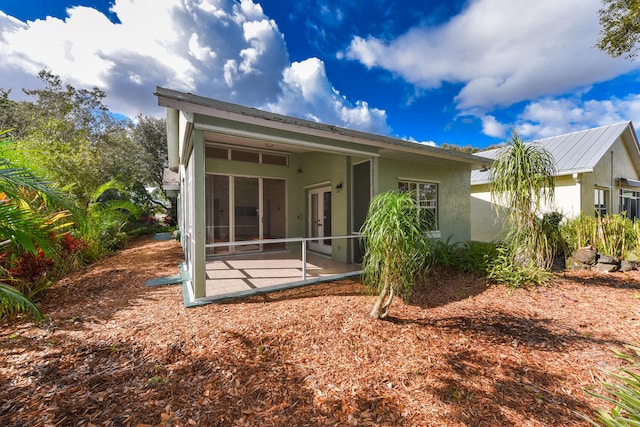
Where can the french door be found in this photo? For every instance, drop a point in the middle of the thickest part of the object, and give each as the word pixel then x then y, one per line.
pixel 319 200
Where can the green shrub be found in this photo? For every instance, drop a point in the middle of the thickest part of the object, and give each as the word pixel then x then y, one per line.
pixel 445 253
pixel 476 257
pixel 505 271
pixel 468 257
pixel 613 235
pixel 580 232
pixel 617 235
pixel 624 394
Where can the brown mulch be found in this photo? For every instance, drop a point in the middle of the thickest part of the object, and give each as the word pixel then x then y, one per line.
pixel 117 353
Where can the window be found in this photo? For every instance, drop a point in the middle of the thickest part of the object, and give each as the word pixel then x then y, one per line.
pixel 601 197
pixel 245 156
pixel 426 199
pixel 274 159
pixel 216 152
pixel 630 202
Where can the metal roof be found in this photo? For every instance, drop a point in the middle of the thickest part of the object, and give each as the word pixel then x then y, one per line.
pixel 575 152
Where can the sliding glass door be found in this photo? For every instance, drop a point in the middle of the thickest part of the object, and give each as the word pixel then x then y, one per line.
pixel 244 209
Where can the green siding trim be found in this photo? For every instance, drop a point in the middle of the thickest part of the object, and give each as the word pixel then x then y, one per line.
pixel 199 252
pixel 274 288
pixel 164 281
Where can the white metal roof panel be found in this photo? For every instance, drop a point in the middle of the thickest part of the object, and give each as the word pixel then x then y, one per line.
pixel 573 152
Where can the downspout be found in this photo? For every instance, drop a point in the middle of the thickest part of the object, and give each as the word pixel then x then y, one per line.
pixel 578 180
pixel 612 188
pixel 173 130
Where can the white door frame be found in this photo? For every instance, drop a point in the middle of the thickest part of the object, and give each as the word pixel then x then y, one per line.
pixel 317 220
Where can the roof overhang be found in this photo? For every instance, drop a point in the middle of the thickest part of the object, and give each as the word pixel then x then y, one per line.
pixel 292 133
pixel 628 182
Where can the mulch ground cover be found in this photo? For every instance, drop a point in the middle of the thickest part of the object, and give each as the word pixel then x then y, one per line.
pixel 460 353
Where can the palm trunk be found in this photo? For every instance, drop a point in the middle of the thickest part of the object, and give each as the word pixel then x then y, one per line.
pixel 381 308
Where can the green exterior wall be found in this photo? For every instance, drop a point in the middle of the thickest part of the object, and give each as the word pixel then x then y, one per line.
pixel 319 168
pixel 453 190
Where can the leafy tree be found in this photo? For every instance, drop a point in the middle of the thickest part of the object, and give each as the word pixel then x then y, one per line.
pixel 83 109
pixel 523 178
pixel 77 143
pixel 620 32
pixel 396 248
pixel 150 133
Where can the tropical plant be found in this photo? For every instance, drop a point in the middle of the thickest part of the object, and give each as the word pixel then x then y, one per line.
pixel 396 248
pixel 469 257
pixel 580 232
pixel 27 222
pixel 623 393
pixel 12 301
pixel 523 178
pixel 613 235
pixel 102 224
pixel 505 271
pixel 617 235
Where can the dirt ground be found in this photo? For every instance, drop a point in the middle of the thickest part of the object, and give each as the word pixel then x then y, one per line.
pixel 460 353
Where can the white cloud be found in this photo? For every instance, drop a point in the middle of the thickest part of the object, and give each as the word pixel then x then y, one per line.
pixel 491 127
pixel 222 49
pixel 430 143
pixel 500 51
pixel 550 117
pixel 305 87
pixel 556 116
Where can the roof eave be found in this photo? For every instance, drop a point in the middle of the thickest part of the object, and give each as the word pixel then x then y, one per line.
pixel 214 108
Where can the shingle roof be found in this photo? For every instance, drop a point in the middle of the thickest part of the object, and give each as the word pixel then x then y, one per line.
pixel 574 152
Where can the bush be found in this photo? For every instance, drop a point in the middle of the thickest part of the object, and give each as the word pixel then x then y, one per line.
pixel 32 273
pixel 624 393
pixel 505 271
pixel 613 235
pixel 468 257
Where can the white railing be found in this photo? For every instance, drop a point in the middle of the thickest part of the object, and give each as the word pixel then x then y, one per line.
pixel 303 240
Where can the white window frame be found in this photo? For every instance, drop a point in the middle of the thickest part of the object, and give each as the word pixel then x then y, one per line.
pixel 424 203
pixel 601 201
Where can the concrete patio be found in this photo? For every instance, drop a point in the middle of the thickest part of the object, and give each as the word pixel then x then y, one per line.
pixel 233 276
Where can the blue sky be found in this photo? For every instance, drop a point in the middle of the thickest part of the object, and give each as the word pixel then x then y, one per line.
pixel 463 72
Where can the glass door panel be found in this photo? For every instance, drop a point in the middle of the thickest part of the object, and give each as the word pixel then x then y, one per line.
pixel 320 219
pixel 274 218
pixel 246 193
pixel 217 212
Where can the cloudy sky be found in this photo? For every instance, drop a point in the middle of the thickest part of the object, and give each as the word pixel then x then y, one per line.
pixel 463 72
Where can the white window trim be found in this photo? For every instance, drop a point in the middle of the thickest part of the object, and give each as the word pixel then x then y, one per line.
pixel 433 234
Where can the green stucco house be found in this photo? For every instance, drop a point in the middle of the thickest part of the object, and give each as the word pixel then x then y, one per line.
pixel 248 178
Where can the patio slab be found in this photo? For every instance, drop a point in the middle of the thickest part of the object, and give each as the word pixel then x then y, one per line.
pixel 245 274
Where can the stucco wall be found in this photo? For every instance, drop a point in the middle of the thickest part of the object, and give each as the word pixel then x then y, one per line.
pixel 487 225
pixel 453 188
pixel 324 169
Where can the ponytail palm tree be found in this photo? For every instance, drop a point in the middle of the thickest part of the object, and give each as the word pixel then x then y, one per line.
pixel 396 248
pixel 523 180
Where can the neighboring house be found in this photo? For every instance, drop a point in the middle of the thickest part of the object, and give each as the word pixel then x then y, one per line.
pixel 248 175
pixel 598 172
